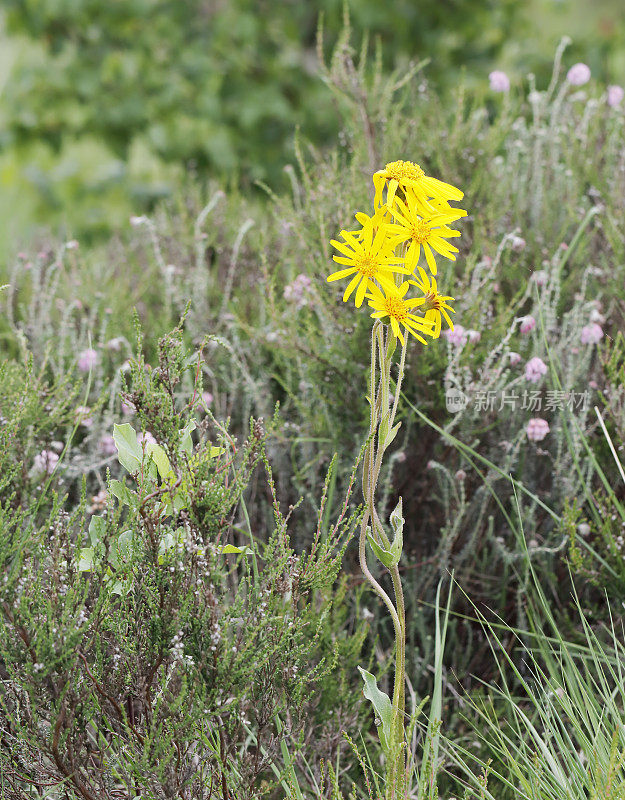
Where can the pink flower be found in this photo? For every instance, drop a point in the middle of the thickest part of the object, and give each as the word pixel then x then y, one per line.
pixel 578 75
pixel 474 336
pixel 460 475
pixel 107 445
pixel 87 360
pixel 295 292
pixel 499 81
pixel 517 243
pixel 146 438
pixel 127 408
pixel 591 334
pixel 537 429
pixel 46 461
pixel 528 324
pixel 615 96
pixel 457 337
pixel 82 417
pixel 514 358
pixel 207 398
pixel 540 277
pixel 535 369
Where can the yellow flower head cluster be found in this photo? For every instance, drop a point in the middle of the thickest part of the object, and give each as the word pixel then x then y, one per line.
pixel 411 216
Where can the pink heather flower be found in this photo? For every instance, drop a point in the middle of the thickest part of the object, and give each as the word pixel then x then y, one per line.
pixel 87 360
pixel 540 277
pixel 593 384
pixel 82 417
pixel 207 398
pixel 615 96
pixel 474 336
pixel 457 337
pixel 114 344
pixel 107 445
pixel 528 324
pixel 535 369
pixel 591 334
pixel 596 316
pixel 146 438
pixel 578 75
pixel 46 461
pixel 127 409
pixel 460 475
pixel 537 429
pixel 517 243
pixel 515 358
pixel 499 81
pixel 295 292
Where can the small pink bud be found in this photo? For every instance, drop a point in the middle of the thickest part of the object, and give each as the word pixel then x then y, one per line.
pixel 107 445
pixel 457 337
pixel 537 429
pixel 46 461
pixel 499 81
pixel 578 75
pixel 515 358
pixel 591 334
pixel 528 324
pixel 535 369
pixel 615 96
pixel 87 360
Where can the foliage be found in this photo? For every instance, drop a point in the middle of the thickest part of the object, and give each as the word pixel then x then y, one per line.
pixel 148 651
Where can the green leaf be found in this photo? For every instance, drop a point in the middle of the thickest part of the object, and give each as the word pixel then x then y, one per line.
pixel 120 549
pixel 159 457
pixel 397 524
pixel 85 559
pixel 129 452
pixel 97 529
pixel 383 708
pixel 230 548
pixel 123 494
pixel 385 556
pixel 391 435
pixel 186 443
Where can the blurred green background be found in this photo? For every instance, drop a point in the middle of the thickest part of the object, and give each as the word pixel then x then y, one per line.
pixel 106 108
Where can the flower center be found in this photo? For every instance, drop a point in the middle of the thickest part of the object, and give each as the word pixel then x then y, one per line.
pixel 367 266
pixel 394 307
pixel 420 232
pixel 402 170
pixel 432 303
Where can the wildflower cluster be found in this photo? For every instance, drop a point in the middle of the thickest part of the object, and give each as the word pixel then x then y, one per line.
pixel 411 217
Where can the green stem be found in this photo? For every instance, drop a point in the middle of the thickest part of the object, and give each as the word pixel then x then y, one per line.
pixel 380 413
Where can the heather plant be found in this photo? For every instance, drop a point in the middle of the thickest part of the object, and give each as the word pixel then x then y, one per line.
pixel 159 646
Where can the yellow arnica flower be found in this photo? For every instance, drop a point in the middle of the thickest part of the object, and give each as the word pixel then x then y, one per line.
pixel 406 175
pixel 427 232
pixel 433 304
pixel 369 257
pixel 391 303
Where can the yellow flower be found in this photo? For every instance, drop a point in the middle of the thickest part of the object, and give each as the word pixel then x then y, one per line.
pixel 369 257
pixel 391 304
pixel 433 304
pixel 406 175
pixel 429 231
